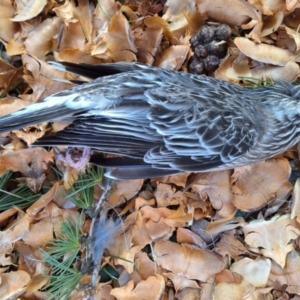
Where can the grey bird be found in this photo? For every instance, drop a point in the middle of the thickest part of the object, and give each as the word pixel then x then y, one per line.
pixel 165 122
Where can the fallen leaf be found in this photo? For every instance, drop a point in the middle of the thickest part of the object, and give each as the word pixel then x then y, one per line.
pixel 150 289
pixel 255 272
pixel 186 261
pixel 123 191
pixel 13 284
pixel 7 27
pixel 235 13
pixel 40 40
pixel 173 57
pixel 27 10
pixel 272 238
pixel 252 189
pixel 31 162
pixel 265 53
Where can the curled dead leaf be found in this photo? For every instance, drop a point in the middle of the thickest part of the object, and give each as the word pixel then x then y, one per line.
pixel 31 162
pixel 252 189
pixel 27 10
pixel 235 13
pixel 272 238
pixel 40 40
pixel 188 260
pixel 265 53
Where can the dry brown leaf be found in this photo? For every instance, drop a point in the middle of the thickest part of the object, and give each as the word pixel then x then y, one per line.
pixel 147 42
pixel 29 135
pixel 9 76
pixel 290 72
pixel 235 13
pixel 29 9
pixel 268 7
pixel 222 225
pixel 8 213
pixel 272 22
pixel 37 237
pixel 150 289
pixel 265 53
pixel 36 283
pixel 186 236
pixel 272 238
pixel 34 184
pixel 194 293
pixel 176 14
pixel 159 23
pixel 76 56
pixel 39 75
pixel 181 283
pixel 292 20
pixel 123 191
pixel 165 216
pixel 164 194
pixel 228 277
pixel 230 245
pixel 178 179
pixel 288 38
pixel 7 27
pixel 217 187
pixel 289 275
pixel 43 201
pixel 127 245
pixel 255 272
pixel 117 44
pixel 186 261
pixel 154 220
pixel 296 201
pixel 13 284
pixel 233 291
pixel 173 57
pixel 31 162
pixel 40 40
pixel 73 37
pixel 10 236
pixel 15 47
pixel 252 189
pixel 12 104
pixel 145 266
pixel 66 12
pixel 103 291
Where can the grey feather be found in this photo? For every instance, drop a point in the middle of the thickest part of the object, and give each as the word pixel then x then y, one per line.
pixel 104 233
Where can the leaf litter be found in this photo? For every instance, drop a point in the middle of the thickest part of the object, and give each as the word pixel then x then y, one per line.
pixel 233 233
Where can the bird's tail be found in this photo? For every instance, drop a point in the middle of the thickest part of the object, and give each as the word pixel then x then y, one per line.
pixel 33 114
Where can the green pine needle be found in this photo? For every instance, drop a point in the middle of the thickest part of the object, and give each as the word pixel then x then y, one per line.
pixel 82 192
pixel 21 197
pixel 60 254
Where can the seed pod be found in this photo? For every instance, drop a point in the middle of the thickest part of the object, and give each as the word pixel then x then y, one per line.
pixel 196 66
pixel 206 34
pixel 201 51
pixel 217 48
pixel 223 32
pixel 211 63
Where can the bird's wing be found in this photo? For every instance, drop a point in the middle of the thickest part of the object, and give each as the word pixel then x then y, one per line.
pixel 124 137
pixel 201 130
